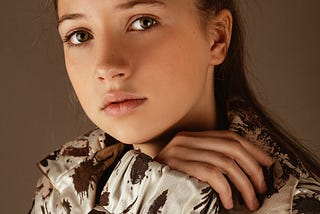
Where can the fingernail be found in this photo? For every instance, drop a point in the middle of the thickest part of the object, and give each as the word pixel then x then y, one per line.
pixel 230 204
pixel 256 204
pixel 264 187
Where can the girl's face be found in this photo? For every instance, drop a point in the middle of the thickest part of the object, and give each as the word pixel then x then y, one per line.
pixel 140 68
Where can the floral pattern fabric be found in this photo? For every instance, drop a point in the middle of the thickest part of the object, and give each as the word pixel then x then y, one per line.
pixel 134 183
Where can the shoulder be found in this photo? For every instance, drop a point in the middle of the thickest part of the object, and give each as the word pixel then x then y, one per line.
pixel 73 152
pixel 91 149
pixel 84 157
pixel 71 173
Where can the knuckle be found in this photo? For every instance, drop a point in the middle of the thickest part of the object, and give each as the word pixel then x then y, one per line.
pixel 234 135
pixel 257 172
pixel 172 148
pixel 231 134
pixel 229 164
pixel 171 151
pixel 227 160
pixel 235 145
pixel 180 138
pixel 212 171
pixel 170 161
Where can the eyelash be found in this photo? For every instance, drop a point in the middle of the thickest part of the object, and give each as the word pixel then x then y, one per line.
pixel 68 37
pixel 154 20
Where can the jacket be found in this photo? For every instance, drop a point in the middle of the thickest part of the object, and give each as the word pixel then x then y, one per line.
pixel 97 174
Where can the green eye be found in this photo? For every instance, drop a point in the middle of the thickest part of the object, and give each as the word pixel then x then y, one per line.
pixel 143 23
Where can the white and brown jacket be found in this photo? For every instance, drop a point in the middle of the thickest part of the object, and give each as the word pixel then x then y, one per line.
pixel 96 174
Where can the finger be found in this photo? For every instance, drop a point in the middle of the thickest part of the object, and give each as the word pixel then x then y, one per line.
pixel 209 174
pixel 232 148
pixel 226 165
pixel 245 160
pixel 261 156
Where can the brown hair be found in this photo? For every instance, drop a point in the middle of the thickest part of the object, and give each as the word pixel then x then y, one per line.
pixel 231 82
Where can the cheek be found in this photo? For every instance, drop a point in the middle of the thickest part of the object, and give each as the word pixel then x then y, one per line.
pixel 175 62
pixel 173 72
pixel 78 67
pixel 79 79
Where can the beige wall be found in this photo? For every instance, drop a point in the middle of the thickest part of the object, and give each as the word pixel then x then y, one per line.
pixel 37 115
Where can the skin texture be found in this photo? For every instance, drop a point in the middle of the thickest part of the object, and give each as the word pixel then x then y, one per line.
pixel 218 155
pixel 146 63
pixel 170 64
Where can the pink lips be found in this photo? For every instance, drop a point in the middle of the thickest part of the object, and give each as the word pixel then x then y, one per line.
pixel 118 104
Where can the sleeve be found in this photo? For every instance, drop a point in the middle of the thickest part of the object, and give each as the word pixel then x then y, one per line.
pixel 46 199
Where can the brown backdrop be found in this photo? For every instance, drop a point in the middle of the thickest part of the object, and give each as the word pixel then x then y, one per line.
pixel 37 114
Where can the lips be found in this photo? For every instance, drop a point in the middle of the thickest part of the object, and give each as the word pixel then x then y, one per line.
pixel 118 104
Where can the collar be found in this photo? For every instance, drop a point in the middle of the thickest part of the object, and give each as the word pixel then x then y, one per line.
pixel 75 168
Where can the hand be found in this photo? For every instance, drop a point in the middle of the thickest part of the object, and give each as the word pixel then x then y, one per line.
pixel 211 156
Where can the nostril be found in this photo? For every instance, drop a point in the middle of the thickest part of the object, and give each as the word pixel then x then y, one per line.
pixel 104 74
pixel 118 75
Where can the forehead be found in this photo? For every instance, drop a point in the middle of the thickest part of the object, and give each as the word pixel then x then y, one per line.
pixel 64 6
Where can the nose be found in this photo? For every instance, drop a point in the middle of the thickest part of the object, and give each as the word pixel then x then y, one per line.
pixel 108 72
pixel 111 62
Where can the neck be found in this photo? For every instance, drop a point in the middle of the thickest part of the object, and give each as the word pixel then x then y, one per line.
pixel 201 118
pixel 154 146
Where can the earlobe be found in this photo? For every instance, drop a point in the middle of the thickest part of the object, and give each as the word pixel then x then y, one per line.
pixel 219 32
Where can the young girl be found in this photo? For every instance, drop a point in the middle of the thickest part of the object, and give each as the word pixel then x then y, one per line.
pixel 179 129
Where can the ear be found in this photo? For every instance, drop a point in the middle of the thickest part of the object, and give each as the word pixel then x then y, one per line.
pixel 219 32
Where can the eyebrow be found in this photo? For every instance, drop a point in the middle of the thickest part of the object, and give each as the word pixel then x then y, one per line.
pixel 132 3
pixel 126 5
pixel 72 16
